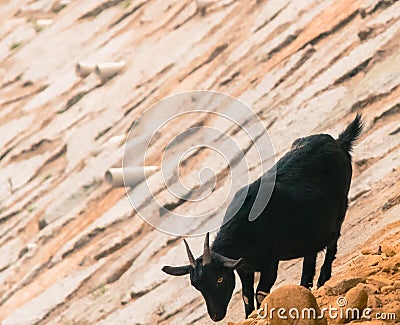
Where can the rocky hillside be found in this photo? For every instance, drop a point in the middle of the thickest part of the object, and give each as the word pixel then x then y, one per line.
pixel 73 251
pixel 370 284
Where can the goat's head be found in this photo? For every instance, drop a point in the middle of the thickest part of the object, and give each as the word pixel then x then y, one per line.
pixel 211 274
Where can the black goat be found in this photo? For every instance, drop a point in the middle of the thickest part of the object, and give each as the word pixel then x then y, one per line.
pixel 304 216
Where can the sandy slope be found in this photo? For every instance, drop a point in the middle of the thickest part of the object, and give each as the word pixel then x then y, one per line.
pixel 303 66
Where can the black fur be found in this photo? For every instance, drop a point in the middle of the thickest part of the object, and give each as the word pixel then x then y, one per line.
pixel 351 133
pixel 303 216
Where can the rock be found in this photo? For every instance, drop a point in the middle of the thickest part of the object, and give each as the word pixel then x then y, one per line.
pixel 291 297
pixel 373 260
pixel 396 266
pixel 388 250
pixel 248 322
pixel 359 259
pixel 126 299
pixel 371 251
pixel 363 34
pixel 371 270
pixel 383 256
pixel 59 5
pixel 396 284
pixel 254 314
pixel 385 289
pixel 380 281
pixel 357 298
pixel 367 7
pixel 338 287
pixel 31 245
pixel 368 288
pixel 374 302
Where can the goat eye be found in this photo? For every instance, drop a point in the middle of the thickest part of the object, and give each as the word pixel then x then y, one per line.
pixel 220 280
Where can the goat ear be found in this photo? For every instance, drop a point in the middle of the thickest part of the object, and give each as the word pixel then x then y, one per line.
pixel 229 262
pixel 177 270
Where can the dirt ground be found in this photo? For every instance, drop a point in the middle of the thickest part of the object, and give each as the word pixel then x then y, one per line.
pixel 73 250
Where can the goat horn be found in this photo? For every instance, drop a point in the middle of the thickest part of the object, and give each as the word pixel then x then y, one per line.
pixel 190 255
pixel 207 252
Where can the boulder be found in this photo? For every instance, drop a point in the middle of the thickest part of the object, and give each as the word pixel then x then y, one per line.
pixel 356 301
pixel 296 304
pixel 357 298
pixel 368 288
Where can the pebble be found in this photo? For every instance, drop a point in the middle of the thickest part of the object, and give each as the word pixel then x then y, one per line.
pixel 363 34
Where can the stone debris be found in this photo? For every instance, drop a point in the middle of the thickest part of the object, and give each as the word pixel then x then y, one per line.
pixel 338 287
pixel 371 251
pixel 380 281
pixel 388 288
pixel 380 293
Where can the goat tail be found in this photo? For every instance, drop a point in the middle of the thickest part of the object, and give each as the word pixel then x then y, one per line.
pixel 351 134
